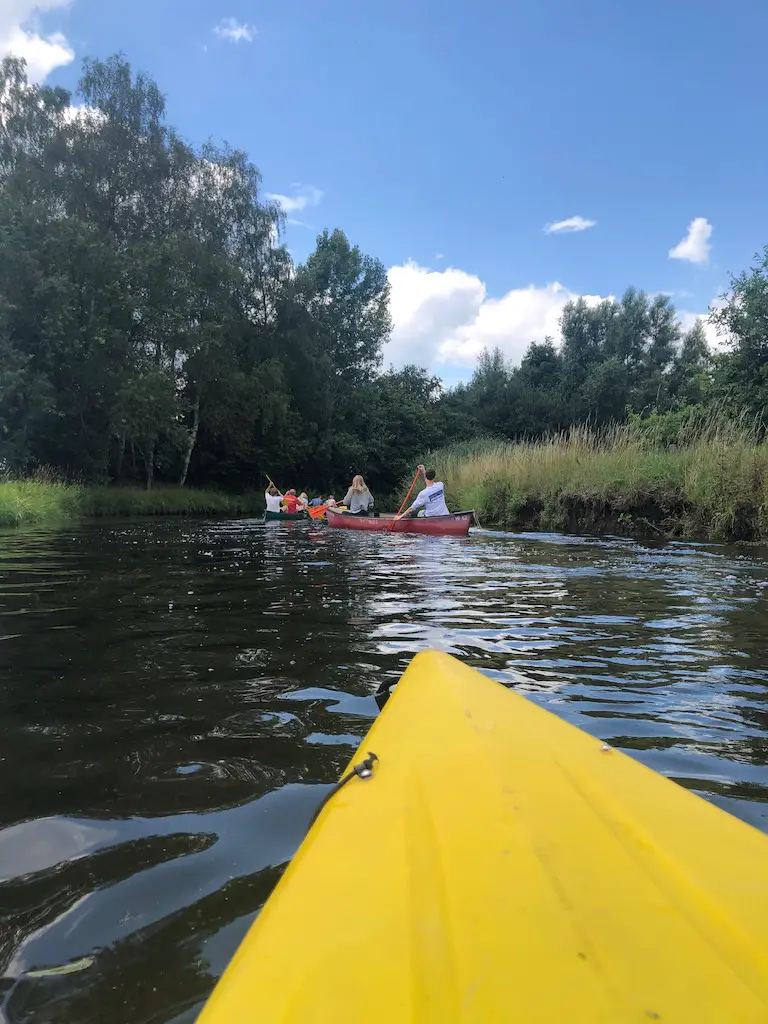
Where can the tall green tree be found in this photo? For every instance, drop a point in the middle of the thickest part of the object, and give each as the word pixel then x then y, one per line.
pixel 690 376
pixel 741 377
pixel 347 295
pixel 339 302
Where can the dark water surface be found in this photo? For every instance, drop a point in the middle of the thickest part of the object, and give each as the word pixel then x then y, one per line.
pixel 176 698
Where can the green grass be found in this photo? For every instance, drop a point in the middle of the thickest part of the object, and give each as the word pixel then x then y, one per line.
pixel 49 500
pixel 167 501
pixel 37 501
pixel 712 486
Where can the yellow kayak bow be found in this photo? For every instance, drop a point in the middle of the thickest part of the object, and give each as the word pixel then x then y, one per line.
pixel 500 865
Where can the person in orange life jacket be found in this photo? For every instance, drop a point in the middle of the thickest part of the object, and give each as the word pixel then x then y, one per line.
pixel 431 499
pixel 291 502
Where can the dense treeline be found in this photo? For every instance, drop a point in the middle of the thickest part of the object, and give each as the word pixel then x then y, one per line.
pixel 152 325
pixel 150 322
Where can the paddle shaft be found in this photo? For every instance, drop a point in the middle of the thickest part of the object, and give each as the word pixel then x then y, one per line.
pixel 419 471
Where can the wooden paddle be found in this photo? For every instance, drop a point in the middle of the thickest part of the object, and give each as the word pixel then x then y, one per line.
pixel 398 514
pixel 269 478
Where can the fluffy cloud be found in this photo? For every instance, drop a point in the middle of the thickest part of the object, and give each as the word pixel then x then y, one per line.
pixel 303 196
pixel 234 31
pixel 445 318
pixel 695 246
pixel 88 116
pixel 562 227
pixel 687 320
pixel 21 36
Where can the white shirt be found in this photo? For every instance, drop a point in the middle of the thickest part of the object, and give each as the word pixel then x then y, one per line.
pixel 273 502
pixel 432 500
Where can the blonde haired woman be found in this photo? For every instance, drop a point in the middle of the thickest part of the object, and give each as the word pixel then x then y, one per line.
pixel 358 498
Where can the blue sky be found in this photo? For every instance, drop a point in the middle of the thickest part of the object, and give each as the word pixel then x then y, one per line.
pixel 444 137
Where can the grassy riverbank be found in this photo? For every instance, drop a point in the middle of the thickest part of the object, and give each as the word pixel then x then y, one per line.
pixel 713 487
pixel 39 501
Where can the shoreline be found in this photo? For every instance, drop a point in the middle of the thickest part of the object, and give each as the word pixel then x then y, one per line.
pixel 714 489
pixel 33 502
pixel 611 483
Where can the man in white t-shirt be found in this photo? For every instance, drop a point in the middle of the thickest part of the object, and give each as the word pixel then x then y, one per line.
pixel 431 499
pixel 272 498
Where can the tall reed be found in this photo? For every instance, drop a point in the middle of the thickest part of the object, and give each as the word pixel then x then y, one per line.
pixel 713 484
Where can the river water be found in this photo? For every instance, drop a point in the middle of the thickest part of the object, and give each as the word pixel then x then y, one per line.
pixel 177 696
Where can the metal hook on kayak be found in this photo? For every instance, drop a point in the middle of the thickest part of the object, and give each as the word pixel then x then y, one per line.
pixel 362 770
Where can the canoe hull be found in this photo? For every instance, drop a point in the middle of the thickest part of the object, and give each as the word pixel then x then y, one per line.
pixel 279 517
pixel 501 865
pixel 456 525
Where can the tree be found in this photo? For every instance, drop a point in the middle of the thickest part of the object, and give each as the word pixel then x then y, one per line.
pixel 347 295
pixel 585 333
pixel 397 424
pixel 652 383
pixel 689 378
pixel 741 379
pixel 337 315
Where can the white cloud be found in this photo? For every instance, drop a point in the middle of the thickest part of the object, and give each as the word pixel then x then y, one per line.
pixel 21 36
pixel 234 31
pixel 695 246
pixel 571 224
pixel 687 320
pixel 445 318
pixel 89 116
pixel 212 177
pixel 303 197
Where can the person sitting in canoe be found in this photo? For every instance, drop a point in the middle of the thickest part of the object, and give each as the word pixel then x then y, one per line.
pixel 358 498
pixel 273 498
pixel 291 502
pixel 331 501
pixel 303 501
pixel 431 499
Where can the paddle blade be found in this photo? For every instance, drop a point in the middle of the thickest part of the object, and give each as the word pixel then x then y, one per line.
pixel 317 512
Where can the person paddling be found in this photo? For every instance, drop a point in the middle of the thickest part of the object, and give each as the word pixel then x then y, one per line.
pixel 431 499
pixel 272 497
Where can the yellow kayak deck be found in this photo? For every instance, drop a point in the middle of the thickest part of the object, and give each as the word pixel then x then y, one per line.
pixel 503 866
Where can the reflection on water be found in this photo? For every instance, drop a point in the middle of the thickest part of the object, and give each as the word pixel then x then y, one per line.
pixel 177 697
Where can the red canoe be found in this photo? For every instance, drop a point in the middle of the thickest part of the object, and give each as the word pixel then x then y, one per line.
pixel 456 525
